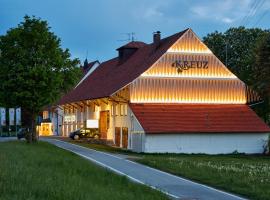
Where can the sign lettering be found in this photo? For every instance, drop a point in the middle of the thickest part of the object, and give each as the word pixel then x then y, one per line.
pixel 182 65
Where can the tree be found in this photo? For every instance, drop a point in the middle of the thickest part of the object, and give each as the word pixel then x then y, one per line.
pixel 242 58
pixel 261 73
pixel 34 70
pixel 240 43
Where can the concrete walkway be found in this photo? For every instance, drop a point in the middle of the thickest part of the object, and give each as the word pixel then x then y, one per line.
pixel 6 139
pixel 169 184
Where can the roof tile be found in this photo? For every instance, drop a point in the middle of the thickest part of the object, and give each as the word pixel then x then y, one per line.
pixel 198 118
pixel 109 77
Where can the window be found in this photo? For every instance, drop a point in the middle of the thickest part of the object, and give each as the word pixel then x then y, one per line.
pixel 112 111
pixel 116 110
pixel 123 109
pixel 45 114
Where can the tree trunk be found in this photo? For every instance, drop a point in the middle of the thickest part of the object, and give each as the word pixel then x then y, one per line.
pixel 33 128
pixel 27 123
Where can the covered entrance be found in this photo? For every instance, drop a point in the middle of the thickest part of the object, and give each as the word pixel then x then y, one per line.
pixel 45 129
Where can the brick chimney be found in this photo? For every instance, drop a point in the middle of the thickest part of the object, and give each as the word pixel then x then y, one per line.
pixel 156 37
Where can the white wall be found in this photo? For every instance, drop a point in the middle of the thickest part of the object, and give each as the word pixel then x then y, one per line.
pixel 215 143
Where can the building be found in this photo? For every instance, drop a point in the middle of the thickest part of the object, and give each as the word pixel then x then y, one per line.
pixel 173 95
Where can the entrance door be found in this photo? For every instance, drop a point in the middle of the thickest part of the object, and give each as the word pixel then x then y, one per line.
pixel 103 124
pixel 125 137
pixel 117 136
pixel 46 129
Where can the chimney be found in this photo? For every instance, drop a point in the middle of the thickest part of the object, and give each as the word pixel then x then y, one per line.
pixel 156 37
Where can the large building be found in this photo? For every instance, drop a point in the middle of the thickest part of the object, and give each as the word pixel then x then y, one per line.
pixel 173 95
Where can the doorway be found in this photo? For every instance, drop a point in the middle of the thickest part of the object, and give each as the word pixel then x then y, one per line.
pixel 45 129
pixel 104 123
pixel 117 136
pixel 125 137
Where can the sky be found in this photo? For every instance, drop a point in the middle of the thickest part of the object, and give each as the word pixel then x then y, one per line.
pixel 96 28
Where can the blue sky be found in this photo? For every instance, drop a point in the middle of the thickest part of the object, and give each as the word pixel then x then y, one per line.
pixel 100 26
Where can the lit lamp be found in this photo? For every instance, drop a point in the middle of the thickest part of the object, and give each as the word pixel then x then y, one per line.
pixel 92 123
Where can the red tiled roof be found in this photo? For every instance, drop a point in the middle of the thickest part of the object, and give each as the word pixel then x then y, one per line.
pixel 133 44
pixel 198 118
pixel 111 76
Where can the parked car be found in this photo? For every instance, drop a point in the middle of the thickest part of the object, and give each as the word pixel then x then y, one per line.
pixel 85 133
pixel 21 133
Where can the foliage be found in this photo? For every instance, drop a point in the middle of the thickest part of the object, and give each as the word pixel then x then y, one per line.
pixel 261 73
pixel 242 57
pixel 43 171
pixel 34 69
pixel 240 42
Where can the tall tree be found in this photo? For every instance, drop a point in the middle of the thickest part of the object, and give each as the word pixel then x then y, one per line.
pixel 261 73
pixel 236 48
pixel 34 69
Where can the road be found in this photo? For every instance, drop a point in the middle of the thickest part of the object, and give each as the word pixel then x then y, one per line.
pixel 5 139
pixel 174 186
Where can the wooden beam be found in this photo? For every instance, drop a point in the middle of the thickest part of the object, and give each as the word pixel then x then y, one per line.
pixel 104 101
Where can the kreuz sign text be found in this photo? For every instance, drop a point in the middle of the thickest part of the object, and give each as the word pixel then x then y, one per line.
pixel 181 65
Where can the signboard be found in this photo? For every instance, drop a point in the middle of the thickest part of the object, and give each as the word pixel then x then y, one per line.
pixel 18 116
pixel 92 123
pixel 3 116
pixel 182 65
pixel 11 116
pixel 69 118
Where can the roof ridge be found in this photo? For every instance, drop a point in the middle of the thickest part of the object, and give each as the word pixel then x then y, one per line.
pixel 110 77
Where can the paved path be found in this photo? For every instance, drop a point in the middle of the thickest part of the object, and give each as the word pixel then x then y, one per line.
pixel 173 186
pixel 5 139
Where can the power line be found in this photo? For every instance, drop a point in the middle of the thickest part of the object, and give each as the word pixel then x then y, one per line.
pixel 262 16
pixel 256 9
pixel 249 13
pixel 252 12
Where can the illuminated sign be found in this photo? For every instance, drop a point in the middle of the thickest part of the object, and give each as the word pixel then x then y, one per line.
pixel 92 123
pixel 69 118
pixel 182 65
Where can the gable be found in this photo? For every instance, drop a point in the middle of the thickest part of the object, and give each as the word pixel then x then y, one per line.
pixel 189 57
pixel 188 72
pixel 189 43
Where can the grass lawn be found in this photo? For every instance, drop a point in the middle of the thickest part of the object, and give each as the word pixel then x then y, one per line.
pixel 43 171
pixel 247 175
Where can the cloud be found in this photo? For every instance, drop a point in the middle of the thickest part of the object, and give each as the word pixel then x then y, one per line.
pixel 151 10
pixel 152 13
pixel 228 11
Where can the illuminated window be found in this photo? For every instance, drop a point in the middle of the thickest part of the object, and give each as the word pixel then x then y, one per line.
pixel 123 109
pixel 116 110
pixel 112 111
pixel 45 114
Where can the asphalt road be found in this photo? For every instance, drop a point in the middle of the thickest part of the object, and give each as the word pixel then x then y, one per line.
pixel 174 186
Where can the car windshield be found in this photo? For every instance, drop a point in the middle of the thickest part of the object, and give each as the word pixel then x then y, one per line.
pixel 84 130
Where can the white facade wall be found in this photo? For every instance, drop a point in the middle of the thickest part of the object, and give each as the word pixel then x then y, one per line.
pixel 215 143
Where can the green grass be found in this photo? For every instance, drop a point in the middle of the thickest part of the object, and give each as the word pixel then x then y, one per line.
pixel 247 175
pixel 43 171
pixel 240 174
